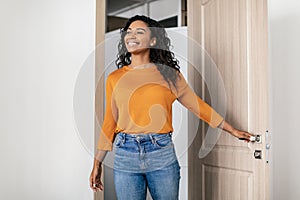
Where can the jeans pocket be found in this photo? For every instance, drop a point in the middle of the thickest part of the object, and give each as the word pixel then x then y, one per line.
pixel 164 142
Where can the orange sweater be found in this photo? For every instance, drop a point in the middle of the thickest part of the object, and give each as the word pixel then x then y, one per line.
pixel 140 101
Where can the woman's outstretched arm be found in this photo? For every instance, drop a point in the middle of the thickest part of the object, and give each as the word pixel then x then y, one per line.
pixel 187 97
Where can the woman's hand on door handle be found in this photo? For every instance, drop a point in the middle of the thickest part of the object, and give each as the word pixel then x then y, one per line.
pixel 242 135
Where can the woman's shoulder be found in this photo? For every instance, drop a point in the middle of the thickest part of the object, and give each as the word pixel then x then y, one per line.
pixel 116 74
pixel 117 71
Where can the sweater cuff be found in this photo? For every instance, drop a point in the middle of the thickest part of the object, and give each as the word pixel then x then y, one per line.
pixel 104 143
pixel 216 119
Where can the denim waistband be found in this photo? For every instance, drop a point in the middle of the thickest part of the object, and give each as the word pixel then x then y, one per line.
pixel 144 136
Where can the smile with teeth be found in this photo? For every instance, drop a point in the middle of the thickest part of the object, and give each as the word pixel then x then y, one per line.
pixel 132 43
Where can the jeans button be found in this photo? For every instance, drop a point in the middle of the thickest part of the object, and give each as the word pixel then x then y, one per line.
pixel 138 138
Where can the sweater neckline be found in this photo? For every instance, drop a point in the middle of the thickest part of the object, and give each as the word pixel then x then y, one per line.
pixel 152 68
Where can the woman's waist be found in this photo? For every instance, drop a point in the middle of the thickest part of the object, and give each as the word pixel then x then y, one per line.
pixel 134 129
pixel 149 136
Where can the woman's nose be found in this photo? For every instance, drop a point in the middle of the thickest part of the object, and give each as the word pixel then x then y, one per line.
pixel 130 37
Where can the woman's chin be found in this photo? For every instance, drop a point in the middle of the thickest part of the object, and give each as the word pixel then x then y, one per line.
pixel 138 50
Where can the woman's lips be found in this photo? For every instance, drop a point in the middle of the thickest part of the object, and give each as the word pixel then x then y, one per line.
pixel 132 43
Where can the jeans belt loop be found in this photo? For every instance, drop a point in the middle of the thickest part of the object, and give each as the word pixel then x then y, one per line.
pixel 124 137
pixel 152 139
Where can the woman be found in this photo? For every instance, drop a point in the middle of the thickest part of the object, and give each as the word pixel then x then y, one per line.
pixel 139 97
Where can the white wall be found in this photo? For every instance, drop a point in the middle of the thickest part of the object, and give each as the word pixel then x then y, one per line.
pixel 284 22
pixel 43 45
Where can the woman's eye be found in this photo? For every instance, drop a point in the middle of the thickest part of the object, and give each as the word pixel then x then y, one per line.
pixel 134 32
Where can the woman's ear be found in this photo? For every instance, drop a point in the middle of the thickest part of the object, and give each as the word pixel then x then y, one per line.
pixel 153 42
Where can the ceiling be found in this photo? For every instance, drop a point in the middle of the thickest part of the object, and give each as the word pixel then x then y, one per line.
pixel 112 6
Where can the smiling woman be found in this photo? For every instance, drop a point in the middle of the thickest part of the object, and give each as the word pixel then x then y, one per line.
pixel 138 117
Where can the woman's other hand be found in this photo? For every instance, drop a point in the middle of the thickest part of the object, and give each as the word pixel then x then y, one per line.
pixel 95 178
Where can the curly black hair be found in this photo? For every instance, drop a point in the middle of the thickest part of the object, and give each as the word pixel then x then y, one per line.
pixel 160 54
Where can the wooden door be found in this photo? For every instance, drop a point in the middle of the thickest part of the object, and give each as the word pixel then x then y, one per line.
pixel 234 33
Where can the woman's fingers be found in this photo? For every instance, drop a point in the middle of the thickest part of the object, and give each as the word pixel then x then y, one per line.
pixel 243 135
pixel 100 186
pixel 247 135
pixel 95 182
pixel 92 183
pixel 97 186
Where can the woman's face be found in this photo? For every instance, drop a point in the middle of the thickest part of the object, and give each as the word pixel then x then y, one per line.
pixel 138 37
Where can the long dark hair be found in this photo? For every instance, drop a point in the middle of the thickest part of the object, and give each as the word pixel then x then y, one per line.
pixel 160 54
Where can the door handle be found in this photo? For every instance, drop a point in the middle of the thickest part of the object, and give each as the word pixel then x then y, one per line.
pixel 254 138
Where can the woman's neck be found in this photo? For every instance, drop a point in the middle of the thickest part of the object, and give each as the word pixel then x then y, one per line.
pixel 140 61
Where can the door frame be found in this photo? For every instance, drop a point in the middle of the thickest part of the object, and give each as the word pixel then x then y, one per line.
pixel 100 24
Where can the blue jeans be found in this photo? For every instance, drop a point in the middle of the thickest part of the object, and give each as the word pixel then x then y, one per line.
pixel 146 160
